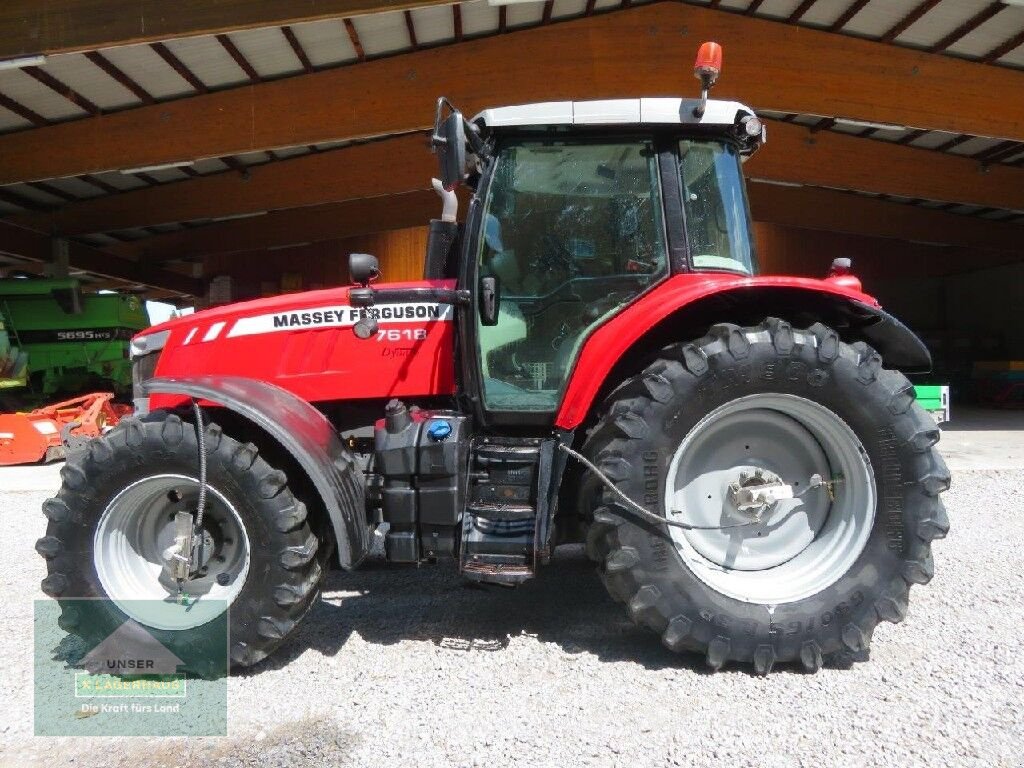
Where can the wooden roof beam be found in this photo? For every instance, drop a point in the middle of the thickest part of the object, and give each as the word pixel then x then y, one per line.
pixel 62 26
pixel 794 154
pixel 287 227
pixel 353 37
pixel 30 244
pixel 807 207
pixel 821 74
pixel 833 211
pixel 393 166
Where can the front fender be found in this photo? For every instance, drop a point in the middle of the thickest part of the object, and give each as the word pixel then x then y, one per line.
pixel 685 306
pixel 304 433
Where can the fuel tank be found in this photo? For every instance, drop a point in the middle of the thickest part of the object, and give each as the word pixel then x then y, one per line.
pixel 304 343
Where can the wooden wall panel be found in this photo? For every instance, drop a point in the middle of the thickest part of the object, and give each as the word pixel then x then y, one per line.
pixel 323 264
pixel 808 252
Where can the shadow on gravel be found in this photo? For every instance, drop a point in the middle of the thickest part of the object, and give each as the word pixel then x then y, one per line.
pixel 566 604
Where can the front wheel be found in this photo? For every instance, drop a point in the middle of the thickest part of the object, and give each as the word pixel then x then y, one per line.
pixel 808 477
pixel 112 525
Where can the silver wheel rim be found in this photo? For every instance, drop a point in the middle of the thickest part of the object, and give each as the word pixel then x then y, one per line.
pixel 136 528
pixel 800 546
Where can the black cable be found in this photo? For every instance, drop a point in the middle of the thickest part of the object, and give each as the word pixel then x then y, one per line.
pixel 201 439
pixel 640 511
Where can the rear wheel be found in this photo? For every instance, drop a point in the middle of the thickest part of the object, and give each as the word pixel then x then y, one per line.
pixel 112 522
pixel 740 412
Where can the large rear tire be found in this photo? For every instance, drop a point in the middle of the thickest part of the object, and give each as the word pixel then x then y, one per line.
pixel 114 513
pixel 816 574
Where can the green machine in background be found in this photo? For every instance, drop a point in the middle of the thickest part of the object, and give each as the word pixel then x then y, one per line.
pixel 934 398
pixel 13 362
pixel 59 341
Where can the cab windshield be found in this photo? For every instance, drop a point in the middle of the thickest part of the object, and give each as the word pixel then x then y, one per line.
pixel 715 207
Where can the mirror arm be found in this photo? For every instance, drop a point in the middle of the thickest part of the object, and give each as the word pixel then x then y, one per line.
pixel 368 297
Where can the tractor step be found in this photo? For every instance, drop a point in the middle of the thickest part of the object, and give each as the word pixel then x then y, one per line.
pixel 500 524
pixel 504 512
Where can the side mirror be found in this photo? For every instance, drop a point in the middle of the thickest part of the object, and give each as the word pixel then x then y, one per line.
pixel 362 268
pixel 490 300
pixel 449 143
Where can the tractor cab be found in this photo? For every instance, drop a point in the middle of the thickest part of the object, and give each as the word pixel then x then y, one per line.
pixel 579 208
pixel 583 206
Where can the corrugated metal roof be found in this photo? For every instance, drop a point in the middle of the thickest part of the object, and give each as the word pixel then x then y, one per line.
pixel 208 60
pixel 19 85
pixel 268 51
pixel 148 70
pixel 325 42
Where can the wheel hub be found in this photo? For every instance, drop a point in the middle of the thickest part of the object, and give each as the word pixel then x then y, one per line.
pixel 754 493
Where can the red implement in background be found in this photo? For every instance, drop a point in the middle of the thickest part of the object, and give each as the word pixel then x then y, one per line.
pixel 46 434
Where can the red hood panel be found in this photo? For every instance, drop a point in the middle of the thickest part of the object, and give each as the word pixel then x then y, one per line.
pixel 303 342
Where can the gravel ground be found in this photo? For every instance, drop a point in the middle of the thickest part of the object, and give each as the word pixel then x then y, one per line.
pixel 400 665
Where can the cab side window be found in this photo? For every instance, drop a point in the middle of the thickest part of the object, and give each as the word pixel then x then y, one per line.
pixel 572 232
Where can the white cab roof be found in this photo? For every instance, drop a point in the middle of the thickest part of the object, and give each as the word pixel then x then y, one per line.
pixel 663 111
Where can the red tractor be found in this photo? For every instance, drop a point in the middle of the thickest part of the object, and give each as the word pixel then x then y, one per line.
pixel 592 357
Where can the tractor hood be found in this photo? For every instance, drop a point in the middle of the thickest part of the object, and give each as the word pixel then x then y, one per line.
pixel 304 343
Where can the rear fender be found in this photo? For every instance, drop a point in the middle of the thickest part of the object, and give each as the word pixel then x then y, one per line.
pixel 685 307
pixel 302 431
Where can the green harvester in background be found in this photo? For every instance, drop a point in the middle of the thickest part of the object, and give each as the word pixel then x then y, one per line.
pixel 56 341
pixel 934 398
